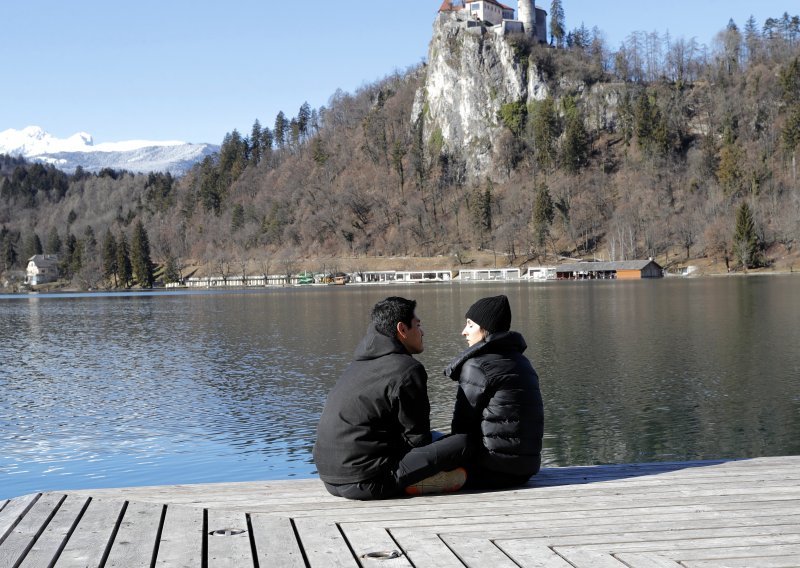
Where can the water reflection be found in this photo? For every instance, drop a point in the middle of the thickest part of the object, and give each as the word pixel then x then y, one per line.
pixel 113 390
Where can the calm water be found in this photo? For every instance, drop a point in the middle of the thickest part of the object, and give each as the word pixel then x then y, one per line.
pixel 139 389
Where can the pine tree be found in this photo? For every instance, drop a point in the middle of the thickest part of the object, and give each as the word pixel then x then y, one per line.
pixel 141 264
pixel 33 246
pixel 8 250
pixel 745 240
pixel 303 120
pixel 279 133
pixel 543 214
pixel 575 147
pixel 255 143
pixel 110 258
pixel 54 243
pixel 124 271
pixel 557 24
pixel 545 130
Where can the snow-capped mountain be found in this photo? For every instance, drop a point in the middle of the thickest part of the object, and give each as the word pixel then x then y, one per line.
pixel 35 144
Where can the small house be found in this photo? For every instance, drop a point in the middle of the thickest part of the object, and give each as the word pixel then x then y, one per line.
pixel 41 269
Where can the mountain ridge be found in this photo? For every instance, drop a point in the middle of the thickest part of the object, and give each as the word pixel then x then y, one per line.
pixel 67 154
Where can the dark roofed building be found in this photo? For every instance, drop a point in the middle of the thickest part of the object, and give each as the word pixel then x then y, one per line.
pixel 620 270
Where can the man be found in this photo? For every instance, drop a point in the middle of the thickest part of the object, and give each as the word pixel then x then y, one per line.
pixel 373 438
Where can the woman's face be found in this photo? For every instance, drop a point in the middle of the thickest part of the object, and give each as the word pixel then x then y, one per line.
pixel 473 333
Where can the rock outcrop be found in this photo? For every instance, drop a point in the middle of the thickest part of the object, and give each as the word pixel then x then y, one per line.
pixel 473 70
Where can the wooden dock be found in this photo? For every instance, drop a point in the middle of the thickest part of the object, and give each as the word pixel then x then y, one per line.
pixel 742 513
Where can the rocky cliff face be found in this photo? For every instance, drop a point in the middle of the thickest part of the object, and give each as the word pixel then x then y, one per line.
pixel 471 73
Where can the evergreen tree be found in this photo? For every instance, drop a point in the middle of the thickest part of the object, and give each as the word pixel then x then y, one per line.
pixel 557 24
pixel 575 147
pixel 303 120
pixel 33 246
pixel 545 130
pixel 54 243
pixel 73 257
pixel 110 257
pixel 8 250
pixel 124 270
pixel 171 271
pixel 141 264
pixel 256 143
pixel 279 133
pixel 745 240
pixel 543 214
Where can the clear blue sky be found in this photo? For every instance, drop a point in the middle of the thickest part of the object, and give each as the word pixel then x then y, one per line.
pixel 194 70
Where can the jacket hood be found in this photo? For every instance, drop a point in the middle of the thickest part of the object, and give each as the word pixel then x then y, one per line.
pixel 374 344
pixel 500 342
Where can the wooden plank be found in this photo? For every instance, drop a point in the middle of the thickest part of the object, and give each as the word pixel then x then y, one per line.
pixel 135 541
pixel 324 545
pixel 275 542
pixel 648 560
pixel 181 544
pixel 792 550
pixel 14 511
pixel 768 562
pixel 372 545
pixel 21 539
pixel 426 549
pixel 518 548
pixel 482 552
pixel 581 558
pixel 92 537
pixel 542 557
pixel 228 540
pixel 48 546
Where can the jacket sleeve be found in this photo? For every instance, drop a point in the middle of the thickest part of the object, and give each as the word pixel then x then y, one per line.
pixel 470 399
pixel 414 408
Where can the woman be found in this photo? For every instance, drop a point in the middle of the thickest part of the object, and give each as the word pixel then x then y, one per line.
pixel 498 398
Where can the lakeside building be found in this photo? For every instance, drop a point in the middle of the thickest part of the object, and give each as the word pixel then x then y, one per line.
pixel 41 269
pixel 541 273
pixel 483 274
pixel 618 270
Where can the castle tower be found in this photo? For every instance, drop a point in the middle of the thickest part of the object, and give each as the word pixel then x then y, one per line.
pixel 527 15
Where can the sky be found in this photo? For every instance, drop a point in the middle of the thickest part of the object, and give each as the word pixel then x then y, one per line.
pixel 196 70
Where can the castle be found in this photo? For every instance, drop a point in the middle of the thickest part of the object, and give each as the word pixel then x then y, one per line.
pixel 532 21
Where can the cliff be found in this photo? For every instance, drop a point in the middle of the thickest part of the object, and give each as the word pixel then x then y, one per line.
pixel 472 72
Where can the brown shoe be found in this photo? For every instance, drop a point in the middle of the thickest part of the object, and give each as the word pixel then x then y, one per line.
pixel 442 482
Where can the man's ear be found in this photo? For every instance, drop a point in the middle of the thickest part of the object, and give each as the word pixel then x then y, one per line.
pixel 402 330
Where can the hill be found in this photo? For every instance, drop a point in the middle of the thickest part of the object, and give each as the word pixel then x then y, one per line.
pixel 655 150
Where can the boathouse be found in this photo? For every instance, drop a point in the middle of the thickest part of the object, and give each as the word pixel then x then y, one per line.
pixel 616 270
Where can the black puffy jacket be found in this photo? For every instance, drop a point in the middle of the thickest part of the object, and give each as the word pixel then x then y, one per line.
pixel 499 400
pixel 376 412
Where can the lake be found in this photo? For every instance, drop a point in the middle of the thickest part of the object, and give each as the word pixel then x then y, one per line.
pixel 106 390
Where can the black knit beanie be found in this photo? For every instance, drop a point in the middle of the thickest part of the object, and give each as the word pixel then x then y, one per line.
pixel 492 314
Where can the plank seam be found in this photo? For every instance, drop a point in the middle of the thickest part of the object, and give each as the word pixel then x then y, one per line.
pixel 159 532
pixel 252 537
pixel 41 530
pixel 113 536
pixel 70 532
pixel 20 516
pixel 204 546
pixel 347 542
pixel 299 543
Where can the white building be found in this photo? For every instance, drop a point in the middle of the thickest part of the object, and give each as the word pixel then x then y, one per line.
pixel 42 268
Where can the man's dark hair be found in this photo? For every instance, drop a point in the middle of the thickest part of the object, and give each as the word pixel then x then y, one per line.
pixel 387 313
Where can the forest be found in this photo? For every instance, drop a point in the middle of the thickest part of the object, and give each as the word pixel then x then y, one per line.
pixel 698 162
